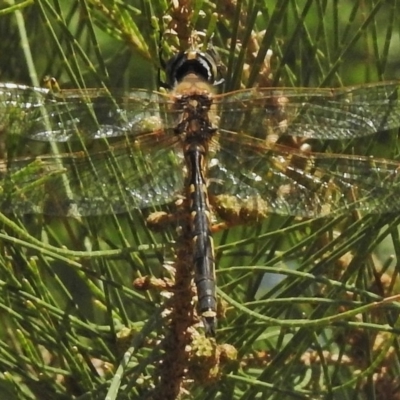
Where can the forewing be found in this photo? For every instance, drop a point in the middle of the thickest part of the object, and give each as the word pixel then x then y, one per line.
pixel 342 113
pixel 80 115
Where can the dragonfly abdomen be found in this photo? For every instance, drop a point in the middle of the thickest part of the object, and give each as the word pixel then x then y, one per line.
pixel 202 242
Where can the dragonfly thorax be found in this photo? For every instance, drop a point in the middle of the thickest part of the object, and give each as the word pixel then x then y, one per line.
pixel 195 125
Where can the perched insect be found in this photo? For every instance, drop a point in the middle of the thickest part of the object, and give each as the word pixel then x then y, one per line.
pixel 139 149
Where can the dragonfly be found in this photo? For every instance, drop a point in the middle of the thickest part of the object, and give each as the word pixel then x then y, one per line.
pixel 111 152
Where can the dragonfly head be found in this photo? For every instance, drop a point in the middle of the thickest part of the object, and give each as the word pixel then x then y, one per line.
pixel 206 65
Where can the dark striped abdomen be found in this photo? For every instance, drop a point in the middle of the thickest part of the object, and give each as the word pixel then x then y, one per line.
pixel 202 242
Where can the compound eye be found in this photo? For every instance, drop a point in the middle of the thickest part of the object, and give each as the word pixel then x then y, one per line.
pixel 172 69
pixel 204 65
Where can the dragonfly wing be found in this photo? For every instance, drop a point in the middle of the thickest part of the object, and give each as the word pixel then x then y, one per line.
pixel 70 115
pixel 122 178
pixel 283 180
pixel 341 113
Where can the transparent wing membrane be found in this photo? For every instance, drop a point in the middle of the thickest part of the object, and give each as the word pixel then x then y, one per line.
pixel 342 113
pixel 119 151
pixel 285 181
